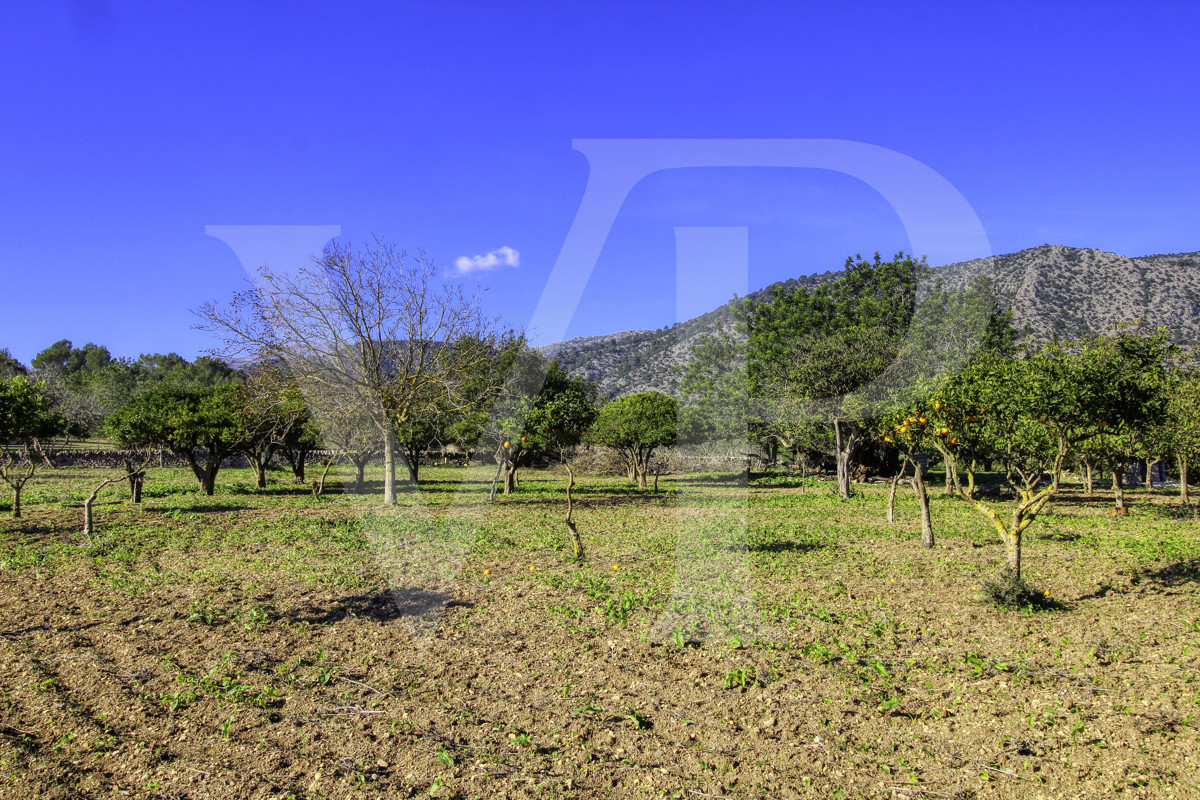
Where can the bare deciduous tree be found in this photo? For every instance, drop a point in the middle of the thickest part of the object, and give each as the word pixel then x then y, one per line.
pixel 367 329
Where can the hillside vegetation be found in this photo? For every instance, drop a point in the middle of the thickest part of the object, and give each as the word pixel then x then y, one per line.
pixel 1053 290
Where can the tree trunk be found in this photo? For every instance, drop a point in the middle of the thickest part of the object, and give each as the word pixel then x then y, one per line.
pixel 642 476
pixel 136 476
pixel 1183 480
pixel 1118 493
pixel 1087 482
pixel 296 461
pixel 260 470
pixel 576 540
pixel 319 484
pixel 16 509
pixel 845 447
pixel 360 474
pixel 510 477
pixel 88 524
pixel 891 503
pixel 1012 546
pixel 923 499
pixel 389 470
pixel 209 481
pixel 206 474
pixel 412 460
pixel 1150 465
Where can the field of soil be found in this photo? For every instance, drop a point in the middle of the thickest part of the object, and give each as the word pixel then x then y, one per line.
pixel 720 640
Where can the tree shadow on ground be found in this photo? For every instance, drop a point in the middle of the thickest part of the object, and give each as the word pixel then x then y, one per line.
pixel 1174 511
pixel 1176 574
pixel 275 490
pixel 788 546
pixel 43 531
pixel 83 626
pixel 1059 536
pixel 398 603
pixel 720 479
pixel 214 508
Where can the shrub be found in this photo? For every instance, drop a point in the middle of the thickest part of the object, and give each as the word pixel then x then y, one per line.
pixel 1008 590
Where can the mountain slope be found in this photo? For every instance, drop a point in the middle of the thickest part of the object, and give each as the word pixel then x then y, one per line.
pixel 1052 289
pixel 1070 292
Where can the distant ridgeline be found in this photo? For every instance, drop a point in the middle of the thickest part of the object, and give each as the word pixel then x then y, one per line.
pixel 1052 290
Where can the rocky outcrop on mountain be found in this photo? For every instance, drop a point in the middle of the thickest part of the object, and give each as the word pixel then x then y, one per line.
pixel 1070 292
pixel 1053 291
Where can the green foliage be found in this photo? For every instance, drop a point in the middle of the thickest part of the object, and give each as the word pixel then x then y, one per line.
pixel 1181 424
pixel 187 421
pixel 541 410
pixel 715 389
pixel 808 351
pixel 635 426
pixel 26 414
pixel 10 366
pixel 1104 388
pixel 62 356
pixel 834 338
pixel 26 417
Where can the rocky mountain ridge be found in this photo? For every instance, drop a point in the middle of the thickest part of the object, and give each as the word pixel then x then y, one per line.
pixel 1053 290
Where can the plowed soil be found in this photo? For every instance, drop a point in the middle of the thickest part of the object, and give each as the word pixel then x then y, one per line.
pixel 252 646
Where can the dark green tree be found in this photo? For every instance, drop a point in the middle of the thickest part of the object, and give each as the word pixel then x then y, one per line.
pixel 1181 426
pixel 543 411
pixel 821 344
pixel 27 417
pixel 200 425
pixel 9 366
pixel 636 426
pixel 1103 396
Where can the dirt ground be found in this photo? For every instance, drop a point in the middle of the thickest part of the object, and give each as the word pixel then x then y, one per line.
pixel 250 647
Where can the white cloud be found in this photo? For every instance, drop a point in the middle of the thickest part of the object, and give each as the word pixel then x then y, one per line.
pixel 500 257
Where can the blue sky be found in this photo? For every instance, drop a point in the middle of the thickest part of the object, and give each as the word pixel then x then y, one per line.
pixel 128 128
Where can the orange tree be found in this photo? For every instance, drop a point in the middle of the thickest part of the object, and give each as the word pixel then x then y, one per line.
pixel 911 433
pixel 635 426
pixel 989 412
pixel 1111 392
pixel 200 425
pixel 1181 426
pixel 543 420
